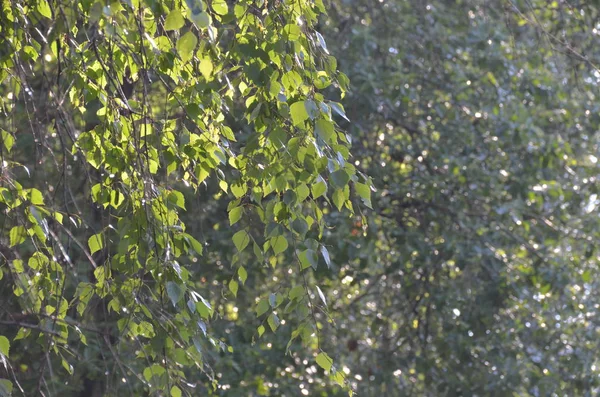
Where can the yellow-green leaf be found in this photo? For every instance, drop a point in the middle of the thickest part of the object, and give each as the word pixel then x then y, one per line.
pixel 175 391
pixel 36 197
pixel 242 274
pixel 220 7
pixel 96 243
pixel 174 20
pixel 4 346
pixel 241 240
pixel 324 130
pixel 233 287
pixel 324 361
pixel 7 139
pixel 186 46
pixel 200 19
pixel 364 192
pixel 17 235
pixel 235 215
pixel 44 8
pixel 279 244
pixel 206 68
pixel 6 387
pixel 298 113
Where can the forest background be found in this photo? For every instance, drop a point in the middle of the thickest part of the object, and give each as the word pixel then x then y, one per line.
pixel 289 197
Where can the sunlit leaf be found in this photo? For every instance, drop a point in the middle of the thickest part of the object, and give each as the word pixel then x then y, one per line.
pixel 174 20
pixel 186 46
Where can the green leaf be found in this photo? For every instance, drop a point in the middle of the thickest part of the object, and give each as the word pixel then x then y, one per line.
pixel 206 68
pixel 298 113
pixel 204 308
pixel 220 7
pixel 290 198
pixel 175 292
pixel 242 274
pixel 174 20
pixel 364 192
pixel 296 292
pixel 68 367
pixel 6 388
pixel 44 8
pixel 241 240
pixel 279 244
pixel 308 258
pixel 186 46
pixel 195 244
pixel 154 370
pixel 324 361
pixel 17 265
pixel 318 189
pixel 4 346
pixel 200 19
pixel 36 197
pixel 233 287
pixel 175 391
pixel 262 307
pixel 17 235
pixel 37 261
pixel 176 198
pixel 324 130
pixel 235 215
pixel 239 189
pixel 291 81
pixel 273 322
pixel 257 252
pixel 302 192
pixel 338 199
pixel 292 31
pixel 116 198
pixel 300 226
pixel 339 378
pixel 96 243
pixel 7 139
pixel 340 178
pixel 586 276
pixel 22 333
pixel 145 329
pixel 100 274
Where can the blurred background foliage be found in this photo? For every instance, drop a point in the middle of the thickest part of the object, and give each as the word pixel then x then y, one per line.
pixel 474 273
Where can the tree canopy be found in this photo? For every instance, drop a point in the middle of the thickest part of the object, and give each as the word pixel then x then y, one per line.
pixel 117 116
pixel 292 197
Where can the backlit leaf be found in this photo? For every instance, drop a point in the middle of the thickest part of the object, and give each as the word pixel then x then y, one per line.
pixel 324 361
pixel 4 346
pixel 96 243
pixel 298 113
pixel 186 46
pixel 241 240
pixel 174 20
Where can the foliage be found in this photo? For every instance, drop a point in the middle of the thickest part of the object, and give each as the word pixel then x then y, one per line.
pixel 177 216
pixel 123 122
pixel 478 123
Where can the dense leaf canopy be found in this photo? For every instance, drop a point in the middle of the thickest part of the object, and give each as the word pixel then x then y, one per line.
pixel 197 201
